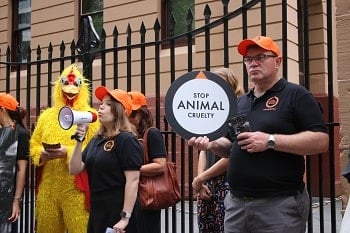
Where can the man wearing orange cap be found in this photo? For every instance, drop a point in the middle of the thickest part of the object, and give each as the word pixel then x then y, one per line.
pixel 112 160
pixel 266 166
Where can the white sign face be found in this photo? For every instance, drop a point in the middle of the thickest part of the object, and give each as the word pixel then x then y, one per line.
pixel 201 112
pixel 199 103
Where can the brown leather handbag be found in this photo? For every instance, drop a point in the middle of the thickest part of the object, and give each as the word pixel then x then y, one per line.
pixel 161 191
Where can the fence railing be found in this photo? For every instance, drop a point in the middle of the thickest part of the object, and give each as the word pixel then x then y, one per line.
pixel 141 64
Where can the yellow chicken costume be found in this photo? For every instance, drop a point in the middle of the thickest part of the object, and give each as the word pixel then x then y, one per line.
pixel 60 204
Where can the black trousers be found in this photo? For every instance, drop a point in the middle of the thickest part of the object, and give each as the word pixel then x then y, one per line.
pixel 152 221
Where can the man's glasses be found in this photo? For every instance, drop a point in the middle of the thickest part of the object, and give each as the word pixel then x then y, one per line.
pixel 259 59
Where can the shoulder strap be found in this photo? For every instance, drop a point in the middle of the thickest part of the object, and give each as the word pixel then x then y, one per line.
pixel 145 146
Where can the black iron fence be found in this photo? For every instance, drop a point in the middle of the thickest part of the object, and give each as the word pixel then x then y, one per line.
pixel 33 79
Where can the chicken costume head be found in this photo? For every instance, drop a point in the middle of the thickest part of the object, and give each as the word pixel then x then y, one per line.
pixel 71 89
pixel 60 204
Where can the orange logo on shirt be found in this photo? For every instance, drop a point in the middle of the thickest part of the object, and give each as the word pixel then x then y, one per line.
pixel 271 103
pixel 108 145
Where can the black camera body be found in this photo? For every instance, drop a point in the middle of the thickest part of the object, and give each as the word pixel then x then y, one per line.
pixel 239 124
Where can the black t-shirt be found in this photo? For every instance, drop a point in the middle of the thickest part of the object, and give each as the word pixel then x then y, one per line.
pixel 105 166
pixel 23 143
pixel 286 108
pixel 155 144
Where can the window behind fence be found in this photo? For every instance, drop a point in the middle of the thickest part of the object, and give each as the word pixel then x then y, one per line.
pixel 21 29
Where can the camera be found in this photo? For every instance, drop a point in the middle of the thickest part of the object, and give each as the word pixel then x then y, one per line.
pixel 239 124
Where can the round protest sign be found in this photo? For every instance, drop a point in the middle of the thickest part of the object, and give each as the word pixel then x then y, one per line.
pixel 199 103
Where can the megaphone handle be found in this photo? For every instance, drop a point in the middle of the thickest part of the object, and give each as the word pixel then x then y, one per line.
pixel 77 137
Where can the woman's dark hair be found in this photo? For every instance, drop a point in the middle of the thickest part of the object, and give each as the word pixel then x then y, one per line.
pixel 146 120
pixel 18 115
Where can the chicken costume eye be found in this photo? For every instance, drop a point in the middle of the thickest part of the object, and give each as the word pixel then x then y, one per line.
pixel 79 82
pixel 64 81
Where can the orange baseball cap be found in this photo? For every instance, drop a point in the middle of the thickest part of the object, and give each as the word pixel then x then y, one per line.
pixel 117 94
pixel 137 99
pixel 262 41
pixel 8 102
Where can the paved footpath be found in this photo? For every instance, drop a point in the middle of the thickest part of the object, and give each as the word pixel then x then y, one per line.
pixel 315 214
pixel 327 214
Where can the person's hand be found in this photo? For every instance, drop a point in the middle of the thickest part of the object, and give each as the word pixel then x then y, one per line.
pixel 80 132
pixel 205 193
pixel 16 210
pixel 197 183
pixel 52 153
pixel 253 141
pixel 121 225
pixel 201 143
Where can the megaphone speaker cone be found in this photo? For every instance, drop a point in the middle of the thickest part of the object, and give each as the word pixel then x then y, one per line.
pixel 68 117
pixel 65 118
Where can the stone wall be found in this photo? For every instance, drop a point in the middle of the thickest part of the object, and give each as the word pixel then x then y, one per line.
pixel 343 69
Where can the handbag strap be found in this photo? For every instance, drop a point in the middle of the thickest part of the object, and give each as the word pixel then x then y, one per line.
pixel 145 146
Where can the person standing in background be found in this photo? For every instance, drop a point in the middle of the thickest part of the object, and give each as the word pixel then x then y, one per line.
pixel 14 155
pixel 210 182
pixel 141 118
pixel 266 163
pixel 112 159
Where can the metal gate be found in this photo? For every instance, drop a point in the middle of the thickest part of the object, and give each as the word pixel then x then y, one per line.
pixel 32 71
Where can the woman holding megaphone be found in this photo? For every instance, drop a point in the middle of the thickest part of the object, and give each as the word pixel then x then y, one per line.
pixel 112 160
